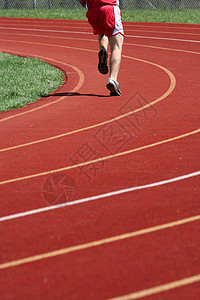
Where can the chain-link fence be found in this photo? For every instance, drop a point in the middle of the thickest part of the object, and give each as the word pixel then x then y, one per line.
pixel 124 4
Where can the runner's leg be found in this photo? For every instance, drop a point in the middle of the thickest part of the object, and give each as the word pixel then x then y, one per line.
pixel 116 43
pixel 103 41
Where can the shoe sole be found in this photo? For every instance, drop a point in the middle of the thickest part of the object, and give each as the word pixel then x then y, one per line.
pixel 103 59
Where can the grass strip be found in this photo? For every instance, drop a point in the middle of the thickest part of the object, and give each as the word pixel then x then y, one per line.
pixel 25 80
pixel 169 16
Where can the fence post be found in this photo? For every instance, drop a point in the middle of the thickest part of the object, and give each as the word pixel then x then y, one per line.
pixel 34 4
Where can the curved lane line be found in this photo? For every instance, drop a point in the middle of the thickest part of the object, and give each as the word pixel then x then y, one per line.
pixel 41 26
pixel 94 40
pixel 167 32
pixel 31 176
pixel 77 87
pixel 97 197
pixel 169 73
pixel 89 32
pixel 162 48
pixel 161 38
pixel 77 22
pixel 160 288
pixel 164 26
pixel 165 95
pixel 97 243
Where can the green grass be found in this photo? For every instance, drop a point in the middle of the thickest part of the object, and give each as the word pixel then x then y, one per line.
pixel 165 16
pixel 71 14
pixel 24 80
pixel 172 16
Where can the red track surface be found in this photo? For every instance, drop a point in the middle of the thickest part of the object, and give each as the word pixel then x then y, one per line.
pixel 142 242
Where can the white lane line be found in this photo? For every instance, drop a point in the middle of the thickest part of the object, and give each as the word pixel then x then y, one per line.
pixel 82 32
pixel 161 38
pixel 106 195
pixel 46 30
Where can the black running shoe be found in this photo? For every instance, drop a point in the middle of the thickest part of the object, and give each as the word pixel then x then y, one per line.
pixel 103 61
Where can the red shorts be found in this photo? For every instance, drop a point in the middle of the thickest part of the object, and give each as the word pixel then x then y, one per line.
pixel 106 19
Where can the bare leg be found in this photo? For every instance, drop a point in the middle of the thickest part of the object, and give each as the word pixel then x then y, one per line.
pixel 103 41
pixel 116 43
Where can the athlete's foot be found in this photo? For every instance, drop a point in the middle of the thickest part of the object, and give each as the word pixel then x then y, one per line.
pixel 113 87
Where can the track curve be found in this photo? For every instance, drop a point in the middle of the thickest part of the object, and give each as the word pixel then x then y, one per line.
pixel 78 144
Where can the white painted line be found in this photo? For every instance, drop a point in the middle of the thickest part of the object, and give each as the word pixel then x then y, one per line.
pixel 81 32
pixel 161 38
pixel 47 30
pixel 106 195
